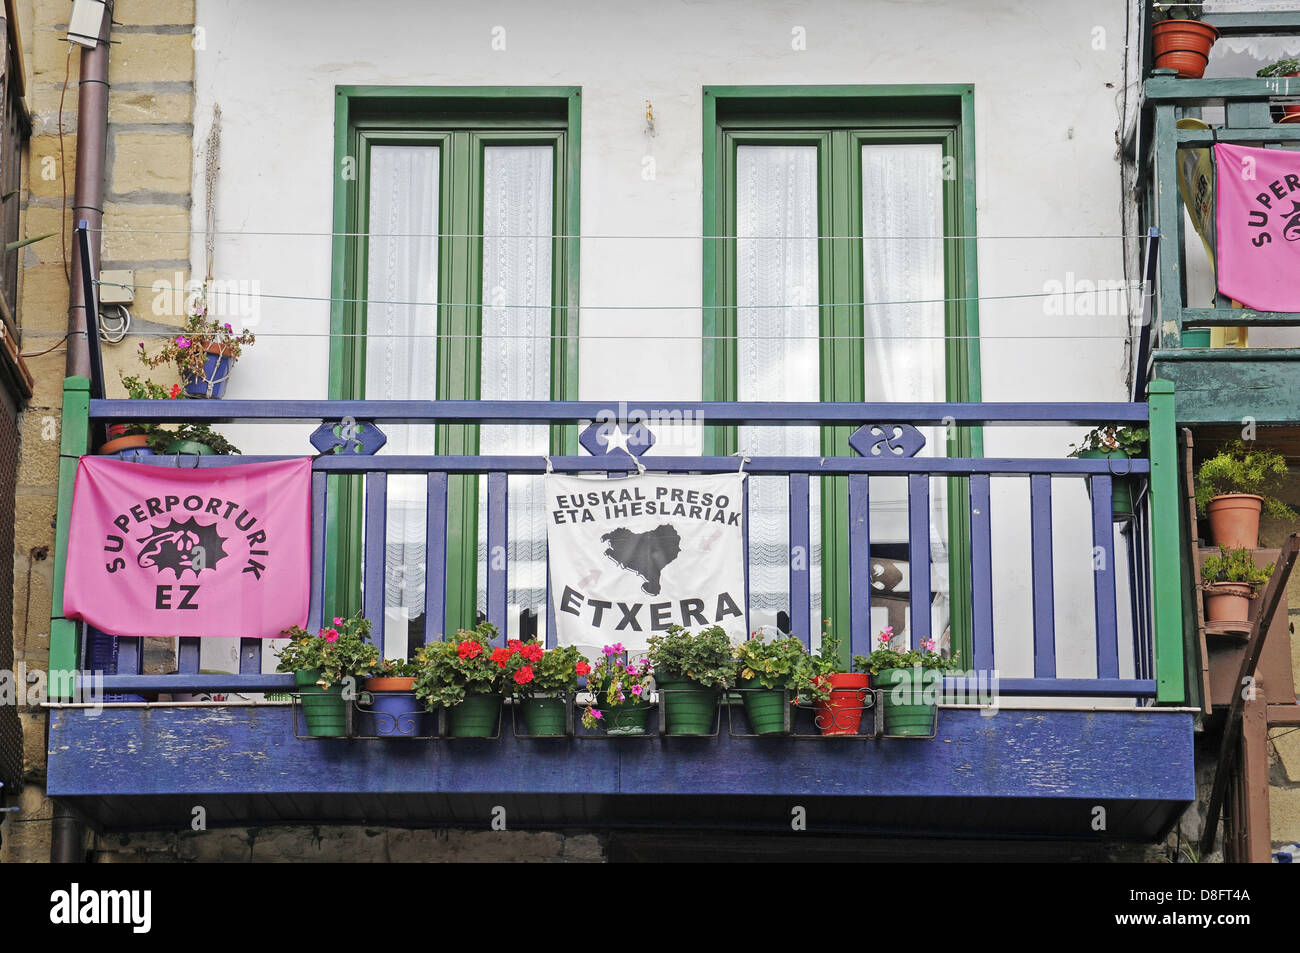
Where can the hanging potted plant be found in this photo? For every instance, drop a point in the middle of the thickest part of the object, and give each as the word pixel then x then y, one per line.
pixel 542 681
pixel 911 680
pixel 1234 486
pixel 1180 41
pixel 620 693
pixel 1112 444
pixel 1231 580
pixel 691 671
pixel 390 698
pixel 1288 67
pixel 204 352
pixel 461 676
pixel 838 696
pixel 765 674
pixel 326 667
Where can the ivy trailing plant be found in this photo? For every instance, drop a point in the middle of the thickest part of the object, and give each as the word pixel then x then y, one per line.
pixel 1239 468
pixel 704 658
pixel 885 656
pixel 337 652
pixel 1234 565
pixel 1131 441
pixel 160 440
pixel 776 665
pixel 452 669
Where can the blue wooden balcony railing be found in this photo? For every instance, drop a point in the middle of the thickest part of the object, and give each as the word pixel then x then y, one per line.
pixel 1152 561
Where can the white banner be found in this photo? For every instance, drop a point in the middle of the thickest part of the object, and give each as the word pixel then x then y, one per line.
pixel 630 557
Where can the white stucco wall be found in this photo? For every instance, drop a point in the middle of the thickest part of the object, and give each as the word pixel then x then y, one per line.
pixel 1046 80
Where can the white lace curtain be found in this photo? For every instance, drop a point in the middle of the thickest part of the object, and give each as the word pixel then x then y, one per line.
pixel 516 362
pixel 401 355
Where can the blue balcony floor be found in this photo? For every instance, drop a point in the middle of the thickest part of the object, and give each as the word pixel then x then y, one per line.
pixel 1019 772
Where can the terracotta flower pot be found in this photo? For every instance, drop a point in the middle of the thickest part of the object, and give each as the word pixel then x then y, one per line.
pixel 135 441
pixel 1234 520
pixel 1228 604
pixel 1183 45
pixel 394 684
pixel 1293 117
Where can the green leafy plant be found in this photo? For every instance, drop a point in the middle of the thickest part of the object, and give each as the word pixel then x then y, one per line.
pixel 778 665
pixel 1238 468
pixel 452 669
pixel 704 658
pixel 885 656
pixel 1284 67
pixel 615 681
pixel 161 439
pixel 339 651
pixel 188 349
pixel 1175 10
pixel 395 668
pixel 812 682
pixel 1234 565
pixel 1132 441
pixel 527 669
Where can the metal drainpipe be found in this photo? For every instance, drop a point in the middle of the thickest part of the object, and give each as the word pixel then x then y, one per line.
pixel 67 833
pixel 88 194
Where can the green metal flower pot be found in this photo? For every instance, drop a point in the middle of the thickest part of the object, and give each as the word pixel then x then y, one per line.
pixel 476 717
pixel 189 447
pixel 688 707
pixel 629 718
pixel 323 709
pixel 544 716
pixel 1121 487
pixel 764 706
pixel 910 699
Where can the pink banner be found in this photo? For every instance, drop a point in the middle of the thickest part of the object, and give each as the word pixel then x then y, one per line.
pixel 162 551
pixel 1257 218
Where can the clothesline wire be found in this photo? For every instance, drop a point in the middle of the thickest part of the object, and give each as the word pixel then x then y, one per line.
pixel 818 238
pixel 1111 287
pixel 583 336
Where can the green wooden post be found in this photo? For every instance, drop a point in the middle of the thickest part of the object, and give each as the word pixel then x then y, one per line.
pixel 1169 212
pixel 1166 569
pixel 74 440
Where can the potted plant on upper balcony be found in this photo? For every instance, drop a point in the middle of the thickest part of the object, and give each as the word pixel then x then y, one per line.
pixel 765 673
pixel 1234 486
pixel 325 669
pixel 137 437
pixel 542 681
pixel 204 352
pixel 620 692
pixel 912 681
pixel 838 696
pixel 1231 580
pixel 1115 443
pixel 1282 68
pixel 193 438
pixel 1180 41
pixel 461 676
pixel 390 692
pixel 691 671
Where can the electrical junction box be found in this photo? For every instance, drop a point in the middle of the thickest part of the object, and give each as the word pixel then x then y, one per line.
pixel 116 287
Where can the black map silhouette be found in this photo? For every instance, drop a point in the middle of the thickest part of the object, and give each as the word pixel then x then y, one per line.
pixel 177 547
pixel 645 554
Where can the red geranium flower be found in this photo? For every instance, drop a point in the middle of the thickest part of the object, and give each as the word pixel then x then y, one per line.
pixel 532 653
pixel 176 391
pixel 524 675
pixel 469 649
pixel 514 645
pixel 501 656
pixel 583 669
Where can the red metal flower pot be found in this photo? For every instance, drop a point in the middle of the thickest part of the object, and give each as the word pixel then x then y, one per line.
pixel 841 714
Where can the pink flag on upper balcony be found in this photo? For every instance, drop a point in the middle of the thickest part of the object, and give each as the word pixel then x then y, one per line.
pixel 1257 219
pixel 162 551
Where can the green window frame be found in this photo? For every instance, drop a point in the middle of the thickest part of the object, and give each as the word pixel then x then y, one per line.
pixel 462 121
pixel 839 120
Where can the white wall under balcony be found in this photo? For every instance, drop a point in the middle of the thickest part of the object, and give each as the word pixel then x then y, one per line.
pixel 1047 79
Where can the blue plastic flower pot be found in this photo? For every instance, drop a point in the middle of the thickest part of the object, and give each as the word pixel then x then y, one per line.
pixel 399 715
pixel 216 374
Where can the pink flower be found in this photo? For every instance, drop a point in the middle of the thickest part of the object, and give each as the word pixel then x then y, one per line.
pixel 631 670
pixel 227 327
pixel 182 342
pixel 338 620
pixel 637 690
pixel 330 635
pixel 928 645
pixel 595 713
